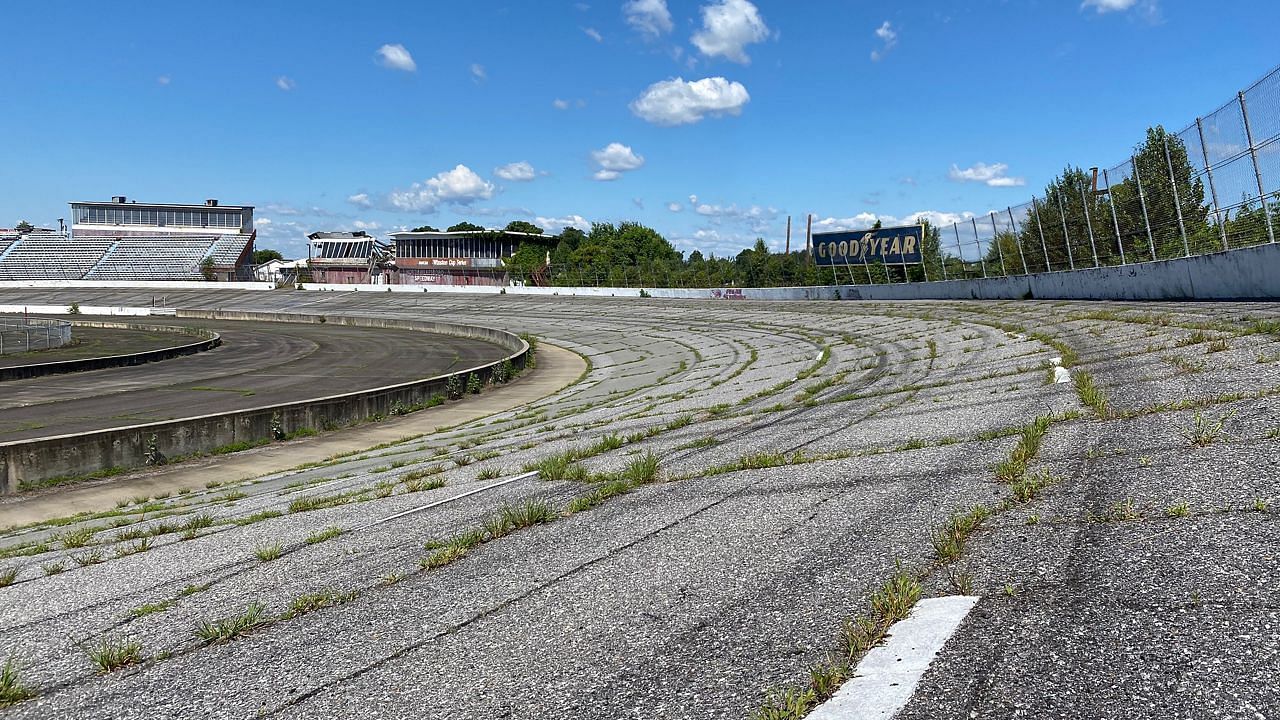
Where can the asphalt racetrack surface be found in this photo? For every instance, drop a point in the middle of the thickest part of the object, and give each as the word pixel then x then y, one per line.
pixel 719 497
pixel 258 364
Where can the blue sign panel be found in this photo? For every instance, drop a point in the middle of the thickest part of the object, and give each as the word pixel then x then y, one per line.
pixel 886 245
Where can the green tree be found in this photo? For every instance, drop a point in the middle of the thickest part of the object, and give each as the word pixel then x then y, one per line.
pixel 465 226
pixel 424 228
pixel 521 226
pixel 206 269
pixel 266 255
pixel 1158 190
pixel 23 227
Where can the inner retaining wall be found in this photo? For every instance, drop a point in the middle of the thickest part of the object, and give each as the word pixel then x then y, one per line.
pixel 26 463
pixel 208 341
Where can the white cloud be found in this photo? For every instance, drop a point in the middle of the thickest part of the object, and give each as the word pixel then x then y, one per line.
pixel 992 175
pixel 516 172
pixel 360 200
pixel 594 34
pixel 366 226
pixel 164 80
pixel 1106 6
pixel 459 186
pixel 478 72
pixel 396 58
pixel 675 206
pixel 615 159
pixel 285 83
pixel 865 220
pixel 728 26
pixel 560 104
pixel 889 37
pixel 553 225
pixel 650 17
pixel 676 102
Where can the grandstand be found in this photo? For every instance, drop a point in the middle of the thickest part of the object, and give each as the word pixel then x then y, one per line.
pixel 463 257
pixel 163 257
pixel 346 258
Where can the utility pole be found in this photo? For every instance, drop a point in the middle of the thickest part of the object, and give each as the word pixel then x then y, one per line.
pixel 788 251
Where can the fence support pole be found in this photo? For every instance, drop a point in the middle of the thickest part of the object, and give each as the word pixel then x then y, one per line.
pixel 1088 223
pixel 1013 225
pixel 1213 189
pixel 1066 236
pixel 978 244
pixel 995 238
pixel 959 249
pixel 1257 173
pixel 1142 199
pixel 942 254
pixel 1044 248
pixel 1177 202
pixel 1115 220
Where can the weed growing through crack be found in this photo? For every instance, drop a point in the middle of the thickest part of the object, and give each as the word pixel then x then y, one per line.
pixel 235 626
pixel 110 655
pixel 267 553
pixel 1090 394
pixel 320 536
pixel 1260 505
pixel 492 473
pixel 1204 432
pixel 90 558
pixel 11 688
pixel 151 608
pixel 76 538
pixel 1178 509
pixel 310 602
pixel 1125 510
pixel 948 540
pixel 53 568
pixel 7 576
pixel 528 513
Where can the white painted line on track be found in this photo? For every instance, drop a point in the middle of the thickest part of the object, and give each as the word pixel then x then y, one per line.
pixel 428 506
pixel 887 676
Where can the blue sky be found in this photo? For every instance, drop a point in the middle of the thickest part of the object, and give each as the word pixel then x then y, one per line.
pixel 710 120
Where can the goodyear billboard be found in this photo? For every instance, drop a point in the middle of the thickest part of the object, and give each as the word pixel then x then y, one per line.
pixel 886 245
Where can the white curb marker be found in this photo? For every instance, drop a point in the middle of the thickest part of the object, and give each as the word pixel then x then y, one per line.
pixel 887 676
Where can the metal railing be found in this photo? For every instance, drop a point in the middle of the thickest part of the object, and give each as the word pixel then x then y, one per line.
pixel 19 335
pixel 1213 186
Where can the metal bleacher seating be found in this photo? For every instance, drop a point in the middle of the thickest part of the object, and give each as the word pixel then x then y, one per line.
pixel 52 257
pixel 152 259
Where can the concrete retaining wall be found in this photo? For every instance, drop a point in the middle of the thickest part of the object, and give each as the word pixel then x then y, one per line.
pixel 31 461
pixel 208 341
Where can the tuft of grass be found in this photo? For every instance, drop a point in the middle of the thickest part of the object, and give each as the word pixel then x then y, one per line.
pixel 443 556
pixel 53 568
pixel 948 540
pixel 597 496
pixel 1090 394
pixel 90 558
pixel 1178 509
pixel 1204 432
pixel 232 627
pixel 310 602
pixel 641 470
pixel 233 495
pixel 267 553
pixel 7 576
pixel 559 467
pixel 320 536
pixel 491 473
pixel 1260 505
pixel 1218 345
pixel 110 655
pixel 11 688
pixel 1125 510
pixel 141 546
pixel 151 608
pixel 528 513
pixel 78 538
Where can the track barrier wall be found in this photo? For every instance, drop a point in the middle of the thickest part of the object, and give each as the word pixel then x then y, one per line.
pixel 26 463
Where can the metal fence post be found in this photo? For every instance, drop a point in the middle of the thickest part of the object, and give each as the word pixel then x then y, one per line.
pixel 1213 189
pixel 1044 248
pixel 1013 225
pixel 1088 223
pixel 995 238
pixel 959 249
pixel 978 244
pixel 1142 199
pixel 1066 235
pixel 1114 219
pixel 1177 203
pixel 1257 173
